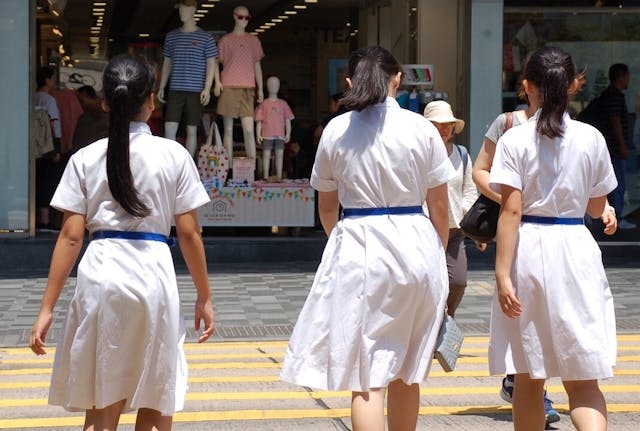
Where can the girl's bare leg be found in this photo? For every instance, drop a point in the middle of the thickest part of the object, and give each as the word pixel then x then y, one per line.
pixel 587 405
pixel 528 403
pixel 403 403
pixel 367 410
pixel 105 419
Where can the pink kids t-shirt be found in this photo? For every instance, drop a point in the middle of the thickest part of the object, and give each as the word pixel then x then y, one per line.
pixel 273 114
pixel 238 55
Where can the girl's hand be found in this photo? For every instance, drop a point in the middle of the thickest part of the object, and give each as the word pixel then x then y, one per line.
pixel 204 312
pixel 609 219
pixel 507 298
pixel 39 332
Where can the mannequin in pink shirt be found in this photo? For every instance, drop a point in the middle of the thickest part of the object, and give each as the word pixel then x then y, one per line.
pixel 273 127
pixel 240 85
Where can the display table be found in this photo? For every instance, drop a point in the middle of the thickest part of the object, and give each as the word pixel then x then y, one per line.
pixel 289 203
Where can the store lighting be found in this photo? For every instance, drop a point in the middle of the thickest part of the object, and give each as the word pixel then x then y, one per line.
pixel 299 6
pixel 198 15
pixel 283 16
pixel 55 12
pixel 143 35
pixel 311 1
pixel 99 4
pixel 290 12
pixel 276 20
pixel 259 30
pixel 208 5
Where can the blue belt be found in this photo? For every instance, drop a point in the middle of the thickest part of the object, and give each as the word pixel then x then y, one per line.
pixel 124 234
pixel 551 220
pixel 354 212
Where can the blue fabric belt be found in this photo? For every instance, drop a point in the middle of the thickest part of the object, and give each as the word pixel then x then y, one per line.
pixel 354 212
pixel 123 234
pixel 551 220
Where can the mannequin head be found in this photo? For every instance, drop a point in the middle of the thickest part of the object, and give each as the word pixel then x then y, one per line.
pixel 241 17
pixel 187 10
pixel 273 86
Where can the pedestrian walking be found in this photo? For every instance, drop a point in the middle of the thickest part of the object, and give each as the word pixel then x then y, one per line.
pixel 371 319
pixel 121 347
pixel 553 312
pixel 462 194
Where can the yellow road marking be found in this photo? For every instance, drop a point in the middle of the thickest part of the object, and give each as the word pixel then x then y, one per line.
pixel 14 351
pixel 301 394
pixel 247 415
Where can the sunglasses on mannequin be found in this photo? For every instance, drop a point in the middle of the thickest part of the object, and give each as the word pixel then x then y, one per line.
pixel 243 17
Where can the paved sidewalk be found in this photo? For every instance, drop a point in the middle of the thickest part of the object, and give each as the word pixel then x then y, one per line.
pixel 263 301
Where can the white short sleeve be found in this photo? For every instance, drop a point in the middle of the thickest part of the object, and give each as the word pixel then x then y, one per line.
pixel 71 193
pixel 190 193
pixel 603 178
pixel 322 177
pixel 505 168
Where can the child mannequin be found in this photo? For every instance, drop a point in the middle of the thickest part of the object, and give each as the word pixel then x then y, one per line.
pixel 273 126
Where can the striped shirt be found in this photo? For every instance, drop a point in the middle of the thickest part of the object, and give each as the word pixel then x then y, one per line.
pixel 239 54
pixel 189 52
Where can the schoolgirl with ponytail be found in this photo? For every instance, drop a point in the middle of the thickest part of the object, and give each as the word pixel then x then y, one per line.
pixel 121 349
pixel 370 322
pixel 553 313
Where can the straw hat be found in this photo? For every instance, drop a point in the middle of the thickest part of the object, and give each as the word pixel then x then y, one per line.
pixel 440 111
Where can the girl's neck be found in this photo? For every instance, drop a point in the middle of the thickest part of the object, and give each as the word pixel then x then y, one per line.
pixel 239 30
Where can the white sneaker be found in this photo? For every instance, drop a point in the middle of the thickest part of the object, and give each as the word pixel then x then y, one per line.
pixel 623 224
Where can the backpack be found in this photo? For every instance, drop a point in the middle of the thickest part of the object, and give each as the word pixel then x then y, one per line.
pixel 593 113
pixel 464 155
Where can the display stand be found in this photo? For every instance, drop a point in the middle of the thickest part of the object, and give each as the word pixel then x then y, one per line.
pixel 289 203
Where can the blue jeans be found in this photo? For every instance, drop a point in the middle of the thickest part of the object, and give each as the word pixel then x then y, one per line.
pixel 616 197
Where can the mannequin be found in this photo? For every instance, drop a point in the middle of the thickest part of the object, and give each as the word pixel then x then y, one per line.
pixel 273 126
pixel 240 82
pixel 190 58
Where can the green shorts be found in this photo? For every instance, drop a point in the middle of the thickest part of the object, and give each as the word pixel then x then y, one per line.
pixel 187 101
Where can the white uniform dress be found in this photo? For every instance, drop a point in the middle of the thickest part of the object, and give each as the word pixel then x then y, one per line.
pixel 124 331
pixel 377 301
pixel 567 326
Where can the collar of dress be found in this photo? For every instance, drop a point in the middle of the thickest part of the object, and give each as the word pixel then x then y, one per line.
pixel 139 127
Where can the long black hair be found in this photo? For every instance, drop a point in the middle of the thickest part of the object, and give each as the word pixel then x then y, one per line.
pixel 552 71
pixel 370 69
pixel 127 83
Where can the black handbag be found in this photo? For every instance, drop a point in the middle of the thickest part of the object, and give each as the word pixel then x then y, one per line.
pixel 480 223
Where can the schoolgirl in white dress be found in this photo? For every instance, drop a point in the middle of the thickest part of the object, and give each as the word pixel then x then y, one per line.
pixel 121 347
pixel 373 313
pixel 553 307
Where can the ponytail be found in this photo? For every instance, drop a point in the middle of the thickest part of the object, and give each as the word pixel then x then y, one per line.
pixel 554 103
pixel 552 71
pixel 128 82
pixel 370 70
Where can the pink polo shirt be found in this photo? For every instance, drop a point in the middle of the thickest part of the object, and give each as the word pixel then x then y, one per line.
pixel 238 55
pixel 273 114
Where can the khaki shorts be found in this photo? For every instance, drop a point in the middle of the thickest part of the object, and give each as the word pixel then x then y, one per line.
pixel 236 102
pixel 188 101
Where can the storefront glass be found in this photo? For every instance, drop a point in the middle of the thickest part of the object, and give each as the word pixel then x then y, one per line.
pixel 596 37
pixel 15 93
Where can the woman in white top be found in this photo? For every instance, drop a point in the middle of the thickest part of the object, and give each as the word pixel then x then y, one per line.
pixel 462 194
pixel 121 347
pixel 553 305
pixel 372 316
